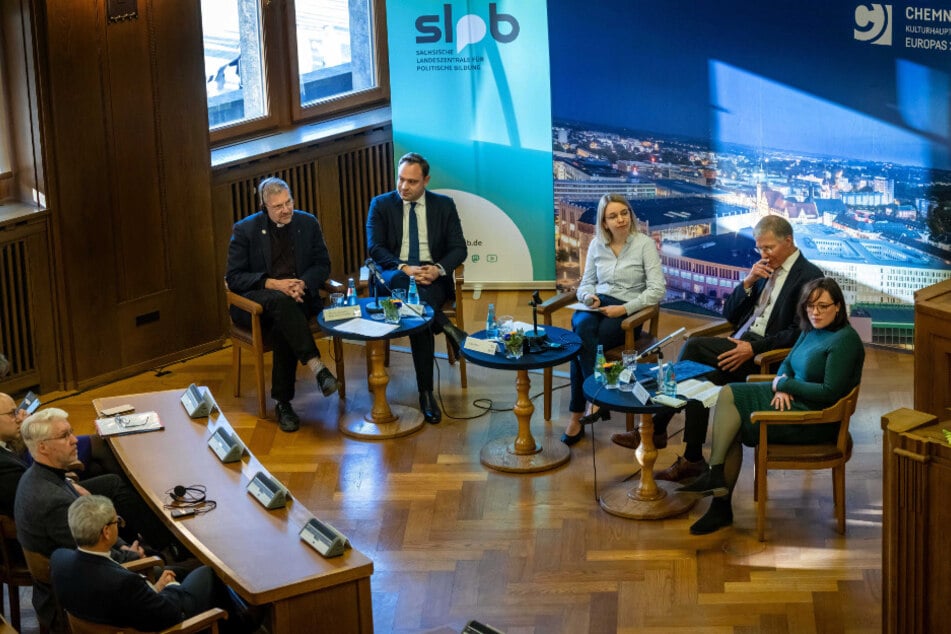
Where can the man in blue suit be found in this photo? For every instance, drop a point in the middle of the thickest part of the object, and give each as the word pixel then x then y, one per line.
pixel 415 233
pixel 92 586
pixel 278 258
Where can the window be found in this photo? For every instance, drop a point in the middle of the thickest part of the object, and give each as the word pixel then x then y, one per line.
pixel 275 63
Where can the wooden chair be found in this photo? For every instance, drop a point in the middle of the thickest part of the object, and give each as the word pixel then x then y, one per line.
pixel 831 455
pixel 207 620
pixel 649 316
pixel 254 340
pixel 13 569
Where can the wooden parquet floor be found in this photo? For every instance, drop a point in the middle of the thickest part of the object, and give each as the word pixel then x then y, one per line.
pixel 534 554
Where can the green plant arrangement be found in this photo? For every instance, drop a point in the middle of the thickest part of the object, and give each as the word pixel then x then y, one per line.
pixel 947 435
pixel 514 343
pixel 612 371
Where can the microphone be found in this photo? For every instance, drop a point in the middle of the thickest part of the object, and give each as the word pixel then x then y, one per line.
pixel 589 301
pixel 374 271
pixel 660 344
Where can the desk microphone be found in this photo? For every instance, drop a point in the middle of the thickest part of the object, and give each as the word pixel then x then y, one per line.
pixel 589 300
pixel 375 273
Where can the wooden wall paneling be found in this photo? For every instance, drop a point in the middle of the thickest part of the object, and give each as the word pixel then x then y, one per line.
pixel 933 349
pixel 185 177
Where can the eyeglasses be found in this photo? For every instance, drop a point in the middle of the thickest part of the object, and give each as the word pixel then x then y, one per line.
pixel 821 307
pixel 287 204
pixel 66 434
pixel 12 412
pixel 766 250
pixel 119 521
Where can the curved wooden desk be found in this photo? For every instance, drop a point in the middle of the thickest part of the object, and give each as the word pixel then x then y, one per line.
pixel 257 552
pixel 383 420
pixel 520 453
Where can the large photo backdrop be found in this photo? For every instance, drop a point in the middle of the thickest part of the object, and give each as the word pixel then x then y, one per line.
pixel 470 91
pixel 710 115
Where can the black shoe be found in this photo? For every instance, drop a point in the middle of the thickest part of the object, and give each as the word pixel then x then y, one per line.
pixel 711 482
pixel 719 515
pixel 287 418
pixel 601 414
pixel 455 337
pixel 429 408
pixel 326 382
pixel 570 440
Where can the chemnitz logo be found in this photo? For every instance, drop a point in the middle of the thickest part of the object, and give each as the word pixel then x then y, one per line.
pixel 873 24
pixel 470 29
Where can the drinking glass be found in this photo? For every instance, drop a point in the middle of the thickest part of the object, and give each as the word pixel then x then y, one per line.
pixel 505 323
pixel 336 300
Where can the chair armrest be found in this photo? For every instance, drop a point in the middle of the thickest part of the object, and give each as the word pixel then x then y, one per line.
pixel 244 303
pixel 640 317
pixel 793 417
pixel 550 305
pixel 768 358
pixel 199 622
pixel 459 276
pixel 138 565
pixel 760 378
pixel 712 329
pixel 333 286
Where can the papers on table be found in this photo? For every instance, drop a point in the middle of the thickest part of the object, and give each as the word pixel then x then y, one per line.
pixel 128 424
pixel 366 327
pixel 703 391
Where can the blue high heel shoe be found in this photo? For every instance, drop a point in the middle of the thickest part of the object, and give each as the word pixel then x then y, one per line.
pixel 570 440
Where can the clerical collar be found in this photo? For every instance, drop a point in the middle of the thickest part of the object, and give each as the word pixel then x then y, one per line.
pixel 275 226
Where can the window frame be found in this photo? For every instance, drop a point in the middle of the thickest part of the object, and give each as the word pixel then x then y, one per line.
pixel 282 85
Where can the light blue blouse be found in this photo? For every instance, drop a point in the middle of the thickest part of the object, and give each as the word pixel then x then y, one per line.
pixel 634 277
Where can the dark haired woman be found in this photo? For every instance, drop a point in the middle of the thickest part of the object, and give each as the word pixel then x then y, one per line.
pixel 823 366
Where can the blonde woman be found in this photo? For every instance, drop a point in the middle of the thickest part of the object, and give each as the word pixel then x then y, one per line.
pixel 622 275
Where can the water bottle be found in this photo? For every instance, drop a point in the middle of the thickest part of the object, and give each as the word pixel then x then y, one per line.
pixel 412 295
pixel 351 293
pixel 599 365
pixel 670 381
pixel 491 326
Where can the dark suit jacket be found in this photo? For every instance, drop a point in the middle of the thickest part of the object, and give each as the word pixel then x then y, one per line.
pixel 447 245
pixel 100 590
pixel 12 468
pixel 782 329
pixel 249 254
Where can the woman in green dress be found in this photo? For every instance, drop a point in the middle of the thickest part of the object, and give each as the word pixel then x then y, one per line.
pixel 822 367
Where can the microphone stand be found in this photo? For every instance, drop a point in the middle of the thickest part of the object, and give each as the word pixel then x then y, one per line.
pixel 535 341
pixel 378 279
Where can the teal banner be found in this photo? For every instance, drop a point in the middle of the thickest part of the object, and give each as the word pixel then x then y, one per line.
pixel 470 91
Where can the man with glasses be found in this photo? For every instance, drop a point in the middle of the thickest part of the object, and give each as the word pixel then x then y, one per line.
pixel 278 258
pixel 91 586
pixel 44 494
pixel 762 308
pixel 94 456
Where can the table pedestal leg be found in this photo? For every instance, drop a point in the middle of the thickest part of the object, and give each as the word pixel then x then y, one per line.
pixel 383 420
pixel 521 453
pixel 650 499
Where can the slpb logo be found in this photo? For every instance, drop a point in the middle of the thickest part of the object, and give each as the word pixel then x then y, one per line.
pixel 470 29
pixel 873 24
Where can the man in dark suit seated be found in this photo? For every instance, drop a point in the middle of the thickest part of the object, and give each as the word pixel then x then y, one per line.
pixel 278 258
pixel 415 233
pixel 44 494
pixel 763 308
pixel 89 584
pixel 94 456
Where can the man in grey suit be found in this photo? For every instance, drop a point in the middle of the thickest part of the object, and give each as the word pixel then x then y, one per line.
pixel 415 233
pixel 763 309
pixel 278 258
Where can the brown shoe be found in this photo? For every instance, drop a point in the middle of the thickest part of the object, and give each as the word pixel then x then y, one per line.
pixel 631 439
pixel 682 470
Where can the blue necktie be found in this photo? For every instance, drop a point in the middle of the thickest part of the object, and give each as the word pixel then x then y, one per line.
pixel 413 257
